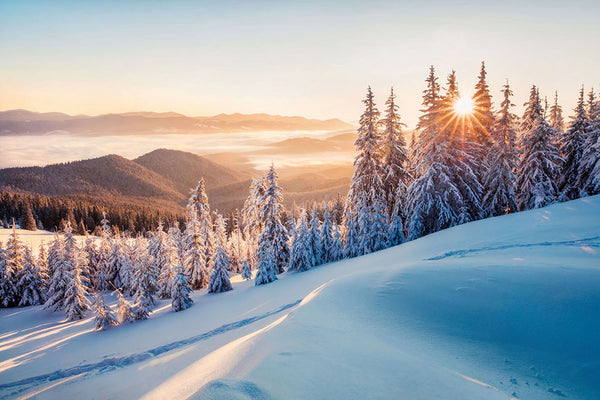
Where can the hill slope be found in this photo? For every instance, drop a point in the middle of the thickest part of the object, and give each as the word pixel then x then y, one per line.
pixel 459 314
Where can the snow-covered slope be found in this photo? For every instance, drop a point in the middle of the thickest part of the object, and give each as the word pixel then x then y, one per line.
pixel 503 308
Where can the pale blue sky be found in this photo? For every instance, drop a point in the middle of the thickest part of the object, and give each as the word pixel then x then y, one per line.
pixel 312 58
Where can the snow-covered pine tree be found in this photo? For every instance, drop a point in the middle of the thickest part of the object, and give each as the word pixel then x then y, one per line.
pixel 91 252
pixel 314 239
pixel 326 235
pixel 540 160
pixel 181 290
pixel 75 301
pixel 101 279
pixel 246 273
pixel 195 253
pixel 302 257
pixel 396 176
pixel 571 145
pixel 366 188
pixel 265 272
pixel 350 236
pixel 588 178
pixel 27 221
pixel 220 231
pixel 104 318
pixel 481 123
pixel 235 247
pixel 115 263
pixel 219 278
pixel 198 204
pixel 124 309
pixel 145 283
pixel 446 191
pixel 500 182
pixel 11 270
pixel 59 274
pixel 274 233
pixel 336 251
pixel 556 118
pixel 31 282
pixel 170 260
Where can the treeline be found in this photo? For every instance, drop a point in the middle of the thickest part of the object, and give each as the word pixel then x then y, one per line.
pixel 83 213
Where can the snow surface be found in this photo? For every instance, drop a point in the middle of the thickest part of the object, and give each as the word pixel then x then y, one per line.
pixel 503 308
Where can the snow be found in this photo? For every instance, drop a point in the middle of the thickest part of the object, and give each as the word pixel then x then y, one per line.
pixel 497 309
pixel 33 239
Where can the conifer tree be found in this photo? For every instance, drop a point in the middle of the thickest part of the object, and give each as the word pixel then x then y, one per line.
pixel 326 236
pixel 170 260
pixel 101 281
pixel 246 273
pixel 181 290
pixel 351 236
pixel 302 256
pixel 540 160
pixel 31 284
pixel 396 176
pixel 500 182
pixel 571 147
pixel 59 274
pixel 251 217
pixel 75 301
pixel 195 254
pixel 482 121
pixel 274 233
pixel 27 221
pixel 314 239
pixel 198 205
pixel 11 269
pixel 145 282
pixel 124 309
pixel 266 269
pixel 588 177
pixel 219 278
pixel 104 318
pixel 336 251
pixel 556 118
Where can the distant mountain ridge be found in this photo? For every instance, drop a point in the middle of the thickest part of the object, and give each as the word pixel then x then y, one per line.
pixel 24 122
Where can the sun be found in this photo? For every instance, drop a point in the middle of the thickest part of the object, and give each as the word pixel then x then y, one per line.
pixel 463 106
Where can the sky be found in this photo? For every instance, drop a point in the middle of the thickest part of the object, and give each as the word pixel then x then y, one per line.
pixel 309 58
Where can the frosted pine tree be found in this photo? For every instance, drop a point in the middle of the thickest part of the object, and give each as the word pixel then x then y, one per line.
pixel 104 318
pixel 115 263
pixel 31 282
pixel 326 235
pixel 435 198
pixel 556 118
pixel 314 239
pixel 274 233
pixel 500 182
pixel 235 247
pixel 170 259
pixel 251 218
pixel 302 257
pixel 540 160
pixel 246 273
pixel 101 280
pixel 219 278
pixel 571 144
pixel 11 269
pixel 91 252
pixel 396 177
pixel 336 251
pixel 351 236
pixel 220 231
pixel 124 310
pixel 145 281
pixel 266 269
pixel 481 123
pixel 195 254
pixel 181 290
pixel 198 204
pixel 75 301
pixel 59 273
pixel 588 177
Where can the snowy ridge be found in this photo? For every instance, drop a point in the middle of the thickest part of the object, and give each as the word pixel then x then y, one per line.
pixel 502 308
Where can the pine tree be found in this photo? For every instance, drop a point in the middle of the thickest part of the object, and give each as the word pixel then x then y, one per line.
pixel 351 236
pixel 571 147
pixel 27 221
pixel 13 265
pixel 170 260
pixel 91 252
pixel 302 256
pixel 124 310
pixel 251 218
pixel 101 280
pixel 500 182
pixel 219 278
pixel 274 233
pixel 145 282
pixel 556 118
pixel 75 302
pixel 181 290
pixel 482 122
pixel 540 160
pixel 194 255
pixel 246 273
pixel 104 316
pixel 314 239
pixel 588 177
pixel 336 251
pixel 396 176
pixel 59 273
pixel 265 272
pixel 326 236
pixel 31 285
pixel 198 206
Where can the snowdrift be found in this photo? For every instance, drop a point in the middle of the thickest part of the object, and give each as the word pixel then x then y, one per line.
pixel 503 308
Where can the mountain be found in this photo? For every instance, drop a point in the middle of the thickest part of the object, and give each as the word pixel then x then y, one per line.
pixel 23 122
pixel 458 314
